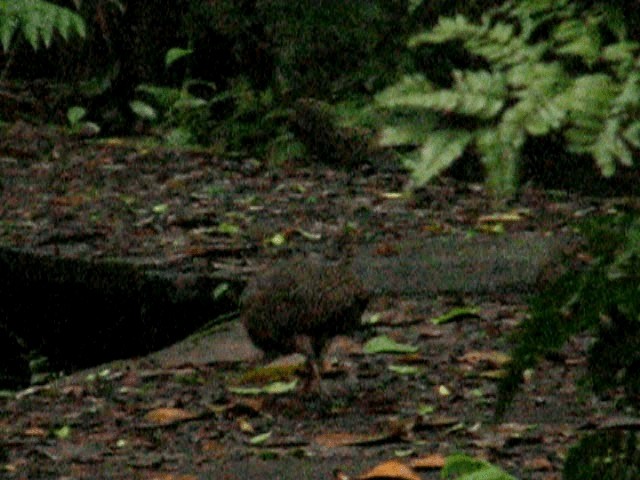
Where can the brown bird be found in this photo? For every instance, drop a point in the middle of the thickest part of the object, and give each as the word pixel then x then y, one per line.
pixel 298 305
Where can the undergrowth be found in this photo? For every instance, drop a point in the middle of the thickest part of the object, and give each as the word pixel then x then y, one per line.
pixel 602 299
pixel 526 69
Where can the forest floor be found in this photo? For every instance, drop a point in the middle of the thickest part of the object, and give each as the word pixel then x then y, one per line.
pixel 190 412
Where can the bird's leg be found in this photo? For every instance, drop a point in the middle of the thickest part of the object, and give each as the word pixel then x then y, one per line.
pixel 313 382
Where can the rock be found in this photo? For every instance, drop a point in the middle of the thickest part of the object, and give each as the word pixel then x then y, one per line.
pixel 298 305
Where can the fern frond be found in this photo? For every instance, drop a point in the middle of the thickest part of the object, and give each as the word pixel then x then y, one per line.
pixel 37 20
pixel 446 30
pixel 529 88
pixel 435 155
pixel 411 91
pixel 576 37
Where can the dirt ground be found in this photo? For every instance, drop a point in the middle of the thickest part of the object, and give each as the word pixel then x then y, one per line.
pixel 186 413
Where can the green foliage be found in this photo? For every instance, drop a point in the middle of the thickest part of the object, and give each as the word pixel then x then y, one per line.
pixel 530 69
pixel 37 20
pixel 464 467
pixel 180 115
pixel 602 299
pixel 269 54
pixel 604 455
pixel 76 116
pixel 237 119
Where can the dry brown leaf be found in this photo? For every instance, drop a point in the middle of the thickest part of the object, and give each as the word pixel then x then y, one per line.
pixel 492 357
pixel 494 374
pixel 429 330
pixel 513 428
pixel 538 464
pixel 400 428
pixel 247 405
pixel 214 448
pixel 167 416
pixel 386 250
pixel 412 359
pixel 438 421
pixel 172 476
pixel 391 469
pixel 35 432
pixel 432 461
pixel 342 439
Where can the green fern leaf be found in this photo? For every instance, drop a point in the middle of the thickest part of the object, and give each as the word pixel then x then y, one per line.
pixel 412 91
pixel 67 22
pixel 31 27
pixel 411 130
pixel 448 29
pixel 576 37
pixel 629 97
pixel 479 94
pixel 437 154
pixel 538 85
pixel 621 52
pixel 632 134
pixel 500 149
pixel 46 26
pixel 37 20
pixel 610 147
pixel 8 27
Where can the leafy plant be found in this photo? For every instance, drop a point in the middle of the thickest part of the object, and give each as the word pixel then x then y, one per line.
pixel 76 116
pixel 604 455
pixel 531 68
pixel 602 299
pixel 239 118
pixel 37 20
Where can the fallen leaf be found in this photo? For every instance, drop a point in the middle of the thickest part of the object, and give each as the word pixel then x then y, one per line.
pixel 509 217
pixel 513 428
pixel 456 314
pixel 492 357
pixel 404 369
pixel 342 439
pixel 35 432
pixel 392 195
pixel 167 416
pixel 391 469
pixel 432 461
pixel 400 428
pixel 242 406
pixel 494 374
pixel 385 344
pixel 63 432
pixel 538 464
pixel 285 368
pixel 429 331
pixel 171 476
pixel 258 439
pixel 386 250
pixel 275 388
pixel 245 426
pixel 444 391
pixel 438 421
pixel 215 448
